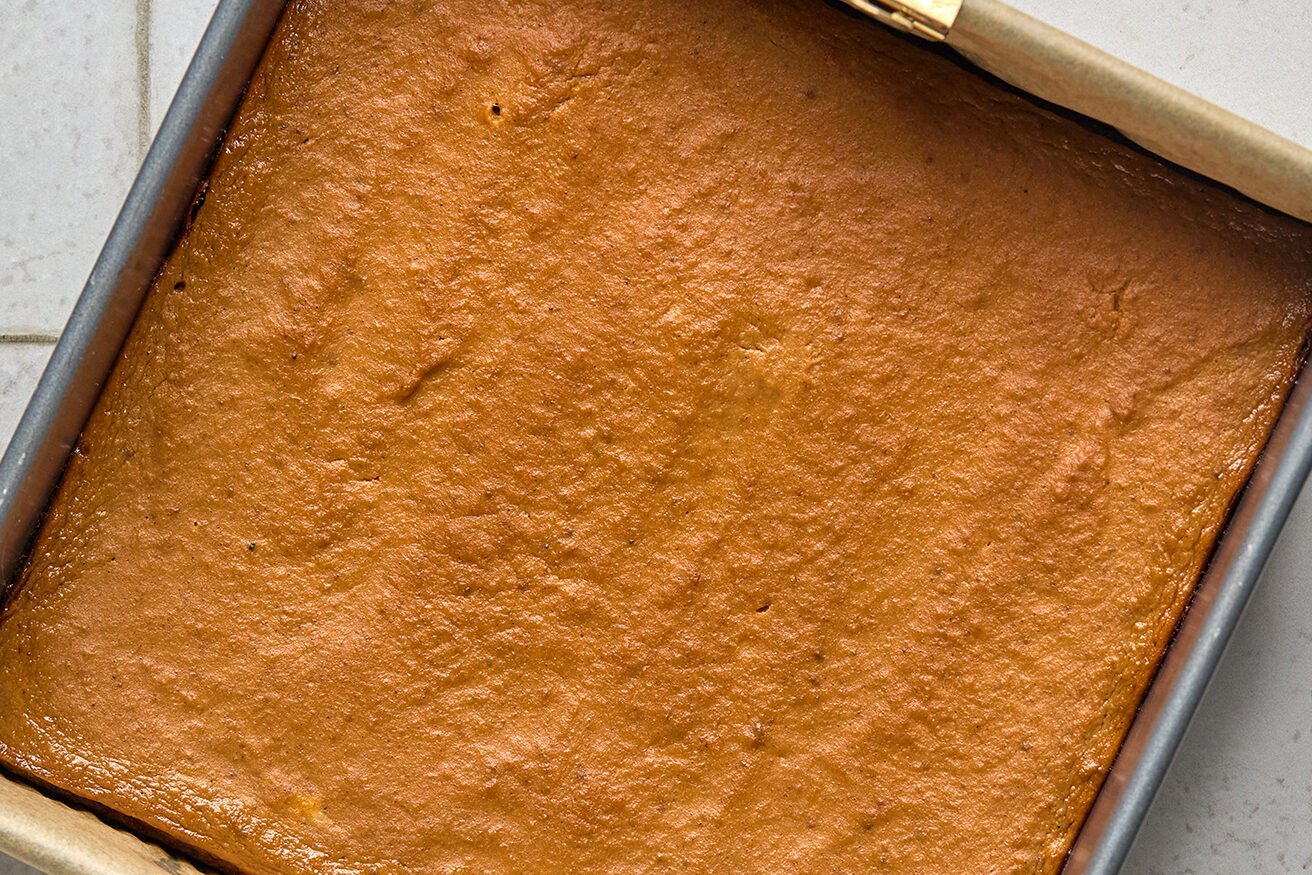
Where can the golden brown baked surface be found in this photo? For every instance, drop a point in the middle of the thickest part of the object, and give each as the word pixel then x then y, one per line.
pixel 672 436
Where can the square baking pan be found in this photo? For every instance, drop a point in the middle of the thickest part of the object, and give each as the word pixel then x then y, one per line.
pixel 65 840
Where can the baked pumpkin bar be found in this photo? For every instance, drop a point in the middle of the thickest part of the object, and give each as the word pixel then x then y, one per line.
pixel 699 436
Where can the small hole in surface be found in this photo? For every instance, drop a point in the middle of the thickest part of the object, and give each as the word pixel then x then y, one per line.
pixel 763 608
pixel 179 286
pixel 200 202
pixel 496 109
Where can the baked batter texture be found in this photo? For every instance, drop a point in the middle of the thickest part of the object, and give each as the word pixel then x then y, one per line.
pixel 697 436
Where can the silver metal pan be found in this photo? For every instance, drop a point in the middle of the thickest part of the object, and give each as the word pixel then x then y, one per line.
pixel 63 840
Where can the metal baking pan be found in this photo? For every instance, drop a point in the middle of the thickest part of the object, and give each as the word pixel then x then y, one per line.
pixel 64 840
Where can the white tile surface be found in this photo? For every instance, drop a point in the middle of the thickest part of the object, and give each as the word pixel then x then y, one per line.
pixel 1253 57
pixel 1239 797
pixel 21 365
pixel 175 29
pixel 69 146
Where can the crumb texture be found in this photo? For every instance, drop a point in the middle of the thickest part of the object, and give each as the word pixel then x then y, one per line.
pixel 698 436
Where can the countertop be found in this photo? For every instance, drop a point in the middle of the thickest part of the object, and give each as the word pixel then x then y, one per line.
pixel 83 86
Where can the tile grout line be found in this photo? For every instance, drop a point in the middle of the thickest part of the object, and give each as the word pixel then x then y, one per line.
pixel 28 338
pixel 141 43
